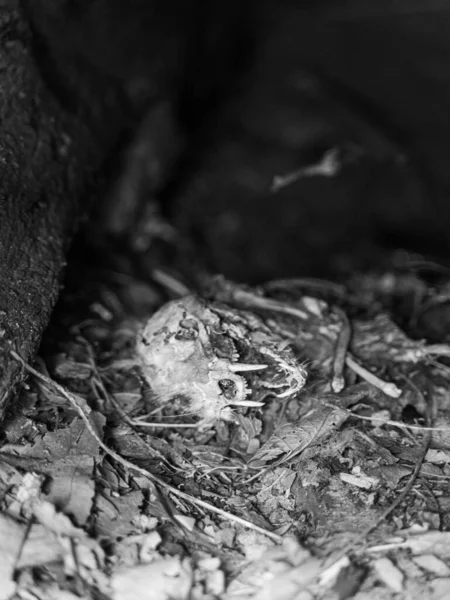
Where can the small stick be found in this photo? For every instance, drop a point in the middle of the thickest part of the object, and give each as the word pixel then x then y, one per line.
pixel 170 283
pixel 388 388
pixel 390 422
pixel 328 166
pixel 342 344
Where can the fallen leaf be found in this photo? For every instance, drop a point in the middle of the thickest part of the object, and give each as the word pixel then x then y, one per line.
pixel 292 438
pixel 11 538
pixel 432 564
pixel 165 579
pixel 389 574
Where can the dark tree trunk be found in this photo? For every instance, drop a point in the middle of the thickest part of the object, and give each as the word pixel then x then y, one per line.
pixel 47 160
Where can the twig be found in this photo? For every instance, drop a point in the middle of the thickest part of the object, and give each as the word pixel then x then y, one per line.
pixel 437 350
pixel 389 421
pixel 170 283
pixel 388 388
pixel 131 467
pixel 342 344
pixel 145 425
pixel 242 298
pixel 328 166
pixel 311 284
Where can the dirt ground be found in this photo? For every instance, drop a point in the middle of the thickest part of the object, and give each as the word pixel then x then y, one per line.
pixel 280 430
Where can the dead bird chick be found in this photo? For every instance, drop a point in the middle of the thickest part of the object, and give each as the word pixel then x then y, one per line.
pixel 189 350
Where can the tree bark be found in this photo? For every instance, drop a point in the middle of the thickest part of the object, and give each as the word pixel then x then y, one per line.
pixel 47 160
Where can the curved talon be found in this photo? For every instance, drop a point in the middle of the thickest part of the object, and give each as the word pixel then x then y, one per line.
pixel 249 403
pixel 242 367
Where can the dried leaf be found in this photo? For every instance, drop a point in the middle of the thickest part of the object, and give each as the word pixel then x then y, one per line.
pixel 389 574
pixel 11 537
pixel 165 579
pixel 292 438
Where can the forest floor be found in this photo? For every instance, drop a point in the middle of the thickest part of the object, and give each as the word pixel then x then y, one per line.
pixel 289 440
pixel 281 430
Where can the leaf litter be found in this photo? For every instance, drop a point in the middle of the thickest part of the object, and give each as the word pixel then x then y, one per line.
pixel 221 441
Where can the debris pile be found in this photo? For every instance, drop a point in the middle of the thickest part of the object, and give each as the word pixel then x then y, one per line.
pixel 287 441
